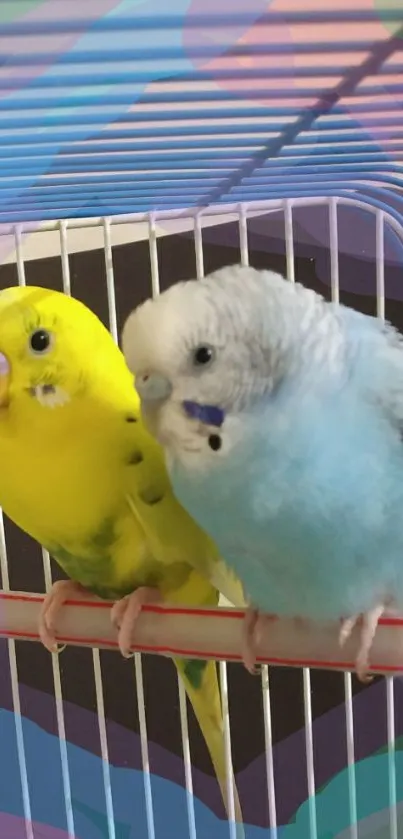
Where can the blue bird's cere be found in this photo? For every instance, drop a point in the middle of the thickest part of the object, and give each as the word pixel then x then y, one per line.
pixel 209 414
pixel 301 482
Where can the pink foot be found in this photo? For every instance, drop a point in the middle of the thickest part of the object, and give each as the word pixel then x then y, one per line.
pixel 60 592
pixel 369 626
pixel 125 613
pixel 253 627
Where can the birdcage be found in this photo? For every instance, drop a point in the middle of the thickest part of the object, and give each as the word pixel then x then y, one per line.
pixel 140 145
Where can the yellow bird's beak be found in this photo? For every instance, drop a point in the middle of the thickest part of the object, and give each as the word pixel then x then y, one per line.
pixel 4 381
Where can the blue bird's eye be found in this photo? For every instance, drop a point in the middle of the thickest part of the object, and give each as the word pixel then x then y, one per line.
pixel 203 355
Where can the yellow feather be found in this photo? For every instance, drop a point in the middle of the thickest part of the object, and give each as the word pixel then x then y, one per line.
pixel 81 474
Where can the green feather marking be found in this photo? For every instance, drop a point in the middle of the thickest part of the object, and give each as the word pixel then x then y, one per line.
pixel 86 571
pixel 92 566
pixel 103 538
pixel 194 670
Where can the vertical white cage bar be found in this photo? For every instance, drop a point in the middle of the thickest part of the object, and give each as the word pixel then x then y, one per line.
pixel 198 239
pixel 227 746
pixel 289 239
pixel 310 769
pixel 243 235
pixel 65 257
pixel 104 744
pixel 268 738
pixel 334 252
pixel 334 249
pixel 20 258
pixel 390 711
pixel 352 790
pixel 152 243
pixel 380 264
pixel 61 727
pixel 144 745
pixel 110 284
pixel 22 764
pixel 187 760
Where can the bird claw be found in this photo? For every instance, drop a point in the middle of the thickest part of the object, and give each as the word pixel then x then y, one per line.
pixel 252 632
pixel 61 591
pixel 370 621
pixel 125 614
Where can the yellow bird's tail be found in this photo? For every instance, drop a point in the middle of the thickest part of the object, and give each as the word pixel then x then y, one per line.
pixel 201 684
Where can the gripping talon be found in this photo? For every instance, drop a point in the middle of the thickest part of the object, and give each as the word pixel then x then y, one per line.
pixel 252 632
pixel 369 626
pixel 249 641
pixel 125 614
pixel 60 592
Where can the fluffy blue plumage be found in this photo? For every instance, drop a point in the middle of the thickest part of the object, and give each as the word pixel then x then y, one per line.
pixel 304 498
pixel 308 516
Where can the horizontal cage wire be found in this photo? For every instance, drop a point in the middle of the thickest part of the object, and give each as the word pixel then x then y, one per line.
pixel 140 146
pixel 203 633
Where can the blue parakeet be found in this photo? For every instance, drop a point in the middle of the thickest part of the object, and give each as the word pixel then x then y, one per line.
pixel 281 415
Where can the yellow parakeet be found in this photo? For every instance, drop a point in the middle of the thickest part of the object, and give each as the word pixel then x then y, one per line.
pixel 102 504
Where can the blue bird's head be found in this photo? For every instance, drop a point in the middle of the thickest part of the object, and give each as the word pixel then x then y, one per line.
pixel 206 353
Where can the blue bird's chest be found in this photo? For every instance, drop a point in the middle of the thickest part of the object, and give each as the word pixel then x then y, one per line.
pixel 307 518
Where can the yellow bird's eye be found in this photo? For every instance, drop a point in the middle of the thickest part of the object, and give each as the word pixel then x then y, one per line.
pixel 40 341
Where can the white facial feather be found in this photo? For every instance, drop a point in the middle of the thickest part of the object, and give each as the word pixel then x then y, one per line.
pixel 51 396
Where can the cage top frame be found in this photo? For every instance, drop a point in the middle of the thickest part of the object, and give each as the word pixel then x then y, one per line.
pixel 160 112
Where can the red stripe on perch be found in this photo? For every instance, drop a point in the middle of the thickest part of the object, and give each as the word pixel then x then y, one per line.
pixel 204 633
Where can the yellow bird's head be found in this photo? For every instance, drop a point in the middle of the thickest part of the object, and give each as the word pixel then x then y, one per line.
pixel 54 350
